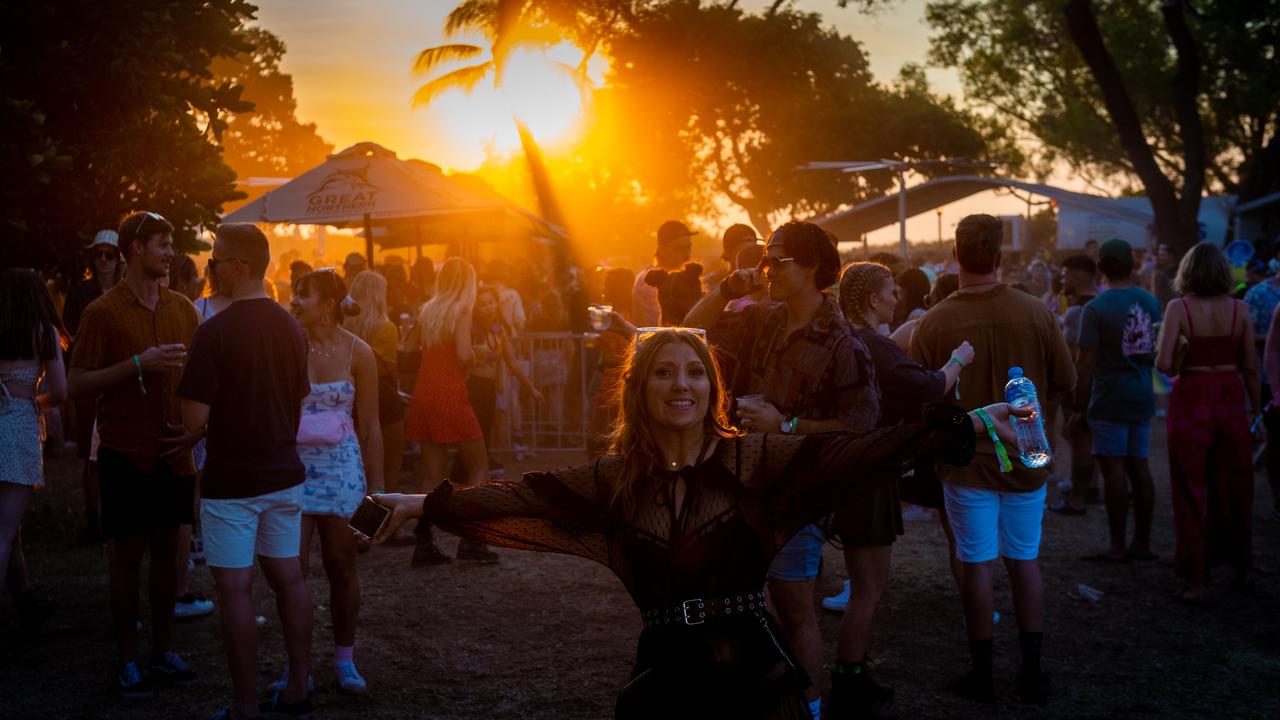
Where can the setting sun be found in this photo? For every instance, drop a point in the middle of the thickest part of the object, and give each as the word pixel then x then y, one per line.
pixel 534 88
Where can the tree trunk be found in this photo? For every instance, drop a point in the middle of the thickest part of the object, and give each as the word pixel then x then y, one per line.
pixel 1175 218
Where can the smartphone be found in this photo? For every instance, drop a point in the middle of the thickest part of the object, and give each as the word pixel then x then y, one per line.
pixel 369 517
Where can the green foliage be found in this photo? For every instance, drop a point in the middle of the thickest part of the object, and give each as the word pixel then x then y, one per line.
pixel 1017 56
pixel 267 140
pixel 109 107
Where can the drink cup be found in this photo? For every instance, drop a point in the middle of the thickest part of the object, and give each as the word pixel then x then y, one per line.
pixel 601 316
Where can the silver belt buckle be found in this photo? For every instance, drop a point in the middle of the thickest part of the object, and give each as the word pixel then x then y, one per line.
pixel 685 608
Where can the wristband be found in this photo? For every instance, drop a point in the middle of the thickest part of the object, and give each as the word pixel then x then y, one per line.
pixel 137 362
pixel 957 361
pixel 1001 453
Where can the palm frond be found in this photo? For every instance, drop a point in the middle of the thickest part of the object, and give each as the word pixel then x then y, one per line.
pixel 464 79
pixel 428 59
pixel 472 15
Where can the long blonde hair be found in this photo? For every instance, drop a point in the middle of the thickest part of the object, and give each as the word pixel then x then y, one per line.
pixel 455 294
pixel 369 290
pixel 633 428
pixel 858 282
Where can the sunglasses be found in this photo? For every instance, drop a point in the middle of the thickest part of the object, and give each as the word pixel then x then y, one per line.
pixel 105 254
pixel 769 263
pixel 215 262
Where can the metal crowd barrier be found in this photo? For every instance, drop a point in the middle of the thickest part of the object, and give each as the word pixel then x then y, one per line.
pixel 564 368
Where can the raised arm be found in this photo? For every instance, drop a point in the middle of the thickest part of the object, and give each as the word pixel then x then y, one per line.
pixel 555 511
pixel 1170 330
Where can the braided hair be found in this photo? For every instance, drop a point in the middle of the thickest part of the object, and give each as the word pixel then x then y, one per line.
pixel 858 282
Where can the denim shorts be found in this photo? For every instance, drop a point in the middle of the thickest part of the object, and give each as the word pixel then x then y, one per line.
pixel 1121 439
pixel 990 523
pixel 799 559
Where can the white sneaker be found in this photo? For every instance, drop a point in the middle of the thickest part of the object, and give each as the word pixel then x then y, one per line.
pixel 349 679
pixel 192 605
pixel 283 682
pixel 838 602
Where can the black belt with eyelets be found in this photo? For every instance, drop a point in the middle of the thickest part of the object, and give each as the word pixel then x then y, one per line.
pixel 696 611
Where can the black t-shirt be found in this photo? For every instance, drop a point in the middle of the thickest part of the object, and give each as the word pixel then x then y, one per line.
pixel 248 363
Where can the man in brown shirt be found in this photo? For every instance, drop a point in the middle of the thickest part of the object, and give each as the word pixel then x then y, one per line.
pixel 130 352
pixel 995 514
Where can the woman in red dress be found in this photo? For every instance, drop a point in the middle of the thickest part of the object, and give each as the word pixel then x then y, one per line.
pixel 440 414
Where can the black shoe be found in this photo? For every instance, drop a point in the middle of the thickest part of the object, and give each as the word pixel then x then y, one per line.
pixel 973 686
pixel 427 553
pixel 476 552
pixel 130 684
pixel 1032 688
pixel 277 709
pixel 859 696
pixel 169 669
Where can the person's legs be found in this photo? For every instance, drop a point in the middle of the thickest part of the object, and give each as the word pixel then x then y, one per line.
pixel 278 540
pixel 14 500
pixel 1188 446
pixel 161 586
pixel 957 567
pixel 338 549
pixel 1116 494
pixel 92 503
pixel 392 456
pixel 793 602
pixel 974 515
pixel 792 580
pixel 181 568
pixel 1021 516
pixel 1144 504
pixel 239 634
pixel 305 531
pixel 124 562
pixel 1271 419
pixel 475 460
pixel 1081 440
pixel 869 572
pixel 435 463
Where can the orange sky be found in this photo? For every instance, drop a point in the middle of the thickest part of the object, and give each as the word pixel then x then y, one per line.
pixel 351 64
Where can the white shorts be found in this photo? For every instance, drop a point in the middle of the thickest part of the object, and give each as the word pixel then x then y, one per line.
pixel 990 524
pixel 235 529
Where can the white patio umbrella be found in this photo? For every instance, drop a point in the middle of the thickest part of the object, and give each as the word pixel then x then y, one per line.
pixel 367 184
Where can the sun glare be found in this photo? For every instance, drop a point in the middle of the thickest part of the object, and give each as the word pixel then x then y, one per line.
pixel 534 89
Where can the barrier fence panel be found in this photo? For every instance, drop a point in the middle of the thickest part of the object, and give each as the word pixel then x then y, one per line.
pixel 562 367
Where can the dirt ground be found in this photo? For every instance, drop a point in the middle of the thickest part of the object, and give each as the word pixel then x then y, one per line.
pixel 541 636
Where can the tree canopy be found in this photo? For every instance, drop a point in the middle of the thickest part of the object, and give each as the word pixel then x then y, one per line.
pixel 1147 95
pixel 110 107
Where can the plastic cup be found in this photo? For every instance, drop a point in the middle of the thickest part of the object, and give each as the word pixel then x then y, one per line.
pixel 601 316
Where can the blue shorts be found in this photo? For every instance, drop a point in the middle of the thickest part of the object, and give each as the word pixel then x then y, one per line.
pixel 1121 439
pixel 799 559
pixel 990 523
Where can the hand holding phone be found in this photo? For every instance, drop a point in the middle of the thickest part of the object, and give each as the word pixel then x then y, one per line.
pixel 369 517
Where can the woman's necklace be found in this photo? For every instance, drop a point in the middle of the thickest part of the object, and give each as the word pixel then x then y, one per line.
pixel 323 352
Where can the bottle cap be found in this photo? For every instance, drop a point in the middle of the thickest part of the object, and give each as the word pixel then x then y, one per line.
pixel 1015 372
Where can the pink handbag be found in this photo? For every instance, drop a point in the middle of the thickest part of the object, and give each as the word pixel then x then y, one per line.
pixel 324 428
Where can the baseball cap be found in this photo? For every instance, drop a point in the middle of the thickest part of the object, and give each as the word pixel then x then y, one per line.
pixel 1115 248
pixel 354 259
pixel 105 237
pixel 673 230
pixel 736 235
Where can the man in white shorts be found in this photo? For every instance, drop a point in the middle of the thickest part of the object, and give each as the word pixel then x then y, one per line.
pixel 993 513
pixel 242 389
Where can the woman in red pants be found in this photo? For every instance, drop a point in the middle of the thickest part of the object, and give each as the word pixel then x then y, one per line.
pixel 1210 458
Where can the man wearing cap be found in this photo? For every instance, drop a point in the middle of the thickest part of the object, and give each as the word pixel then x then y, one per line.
pixel 352 266
pixel 103 273
pixel 737 237
pixel 675 247
pixel 805 371
pixel 1116 354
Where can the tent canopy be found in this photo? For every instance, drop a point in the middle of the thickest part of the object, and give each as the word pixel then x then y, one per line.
pixel 367 185
pixel 851 224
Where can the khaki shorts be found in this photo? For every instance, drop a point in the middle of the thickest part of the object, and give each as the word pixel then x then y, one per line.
pixel 236 529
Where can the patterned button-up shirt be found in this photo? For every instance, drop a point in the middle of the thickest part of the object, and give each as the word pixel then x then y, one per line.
pixel 116 327
pixel 820 372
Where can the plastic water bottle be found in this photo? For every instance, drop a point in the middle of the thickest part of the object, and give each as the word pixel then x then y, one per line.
pixel 1033 446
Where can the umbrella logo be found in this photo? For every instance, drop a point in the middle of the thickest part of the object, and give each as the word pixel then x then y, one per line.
pixel 344 191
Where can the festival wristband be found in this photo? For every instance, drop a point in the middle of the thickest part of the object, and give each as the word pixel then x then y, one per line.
pixel 137 362
pixel 1005 465
pixel 959 363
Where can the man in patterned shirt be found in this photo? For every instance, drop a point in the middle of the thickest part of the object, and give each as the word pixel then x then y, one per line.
pixel 810 374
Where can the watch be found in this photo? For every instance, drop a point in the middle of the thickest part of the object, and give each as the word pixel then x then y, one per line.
pixel 789 426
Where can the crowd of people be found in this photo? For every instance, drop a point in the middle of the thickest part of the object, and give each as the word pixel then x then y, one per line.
pixel 742 418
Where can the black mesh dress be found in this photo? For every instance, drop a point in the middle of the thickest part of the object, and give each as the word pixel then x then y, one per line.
pixel 741 504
